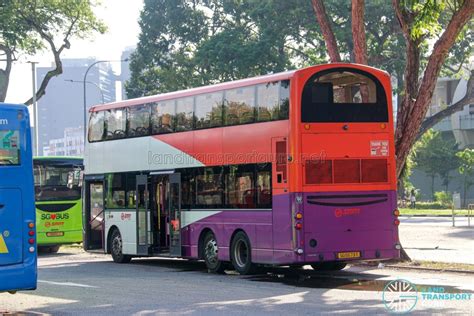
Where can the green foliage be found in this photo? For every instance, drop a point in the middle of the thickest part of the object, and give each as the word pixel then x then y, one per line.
pixel 466 158
pixel 444 198
pixel 21 22
pixel 436 156
pixel 188 43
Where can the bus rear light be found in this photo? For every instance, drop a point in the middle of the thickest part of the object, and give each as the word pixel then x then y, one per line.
pixel 396 222
pixel 347 171
pixel 299 215
pixel 398 246
pixel 31 241
pixel 31 233
pixel 299 251
pixel 374 170
pixel 396 213
pixel 32 249
pixel 31 225
pixel 318 171
pixel 298 226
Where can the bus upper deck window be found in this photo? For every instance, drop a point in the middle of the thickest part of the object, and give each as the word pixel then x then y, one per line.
pixel 344 95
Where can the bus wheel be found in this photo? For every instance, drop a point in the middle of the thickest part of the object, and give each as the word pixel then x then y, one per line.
pixel 116 248
pixel 329 266
pixel 54 249
pixel 241 254
pixel 210 254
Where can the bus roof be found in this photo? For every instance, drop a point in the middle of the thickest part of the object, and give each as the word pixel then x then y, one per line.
pixel 225 85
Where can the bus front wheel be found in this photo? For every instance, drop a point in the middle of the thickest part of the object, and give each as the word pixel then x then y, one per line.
pixel 241 254
pixel 329 266
pixel 117 248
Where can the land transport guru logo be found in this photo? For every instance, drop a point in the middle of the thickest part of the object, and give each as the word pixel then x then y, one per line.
pixel 401 296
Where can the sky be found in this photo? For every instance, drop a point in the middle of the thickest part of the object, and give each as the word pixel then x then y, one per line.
pixel 121 18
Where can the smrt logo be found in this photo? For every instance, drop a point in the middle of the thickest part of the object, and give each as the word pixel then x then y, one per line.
pixel 55 216
pixel 339 212
pixel 125 216
pixel 3 121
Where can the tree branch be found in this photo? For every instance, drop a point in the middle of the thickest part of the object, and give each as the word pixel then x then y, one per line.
pixel 57 56
pixel 411 126
pixel 326 29
pixel 458 106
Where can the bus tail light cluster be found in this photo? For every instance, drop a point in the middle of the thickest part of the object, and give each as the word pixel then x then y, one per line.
pixel 396 212
pixel 346 171
pixel 31 233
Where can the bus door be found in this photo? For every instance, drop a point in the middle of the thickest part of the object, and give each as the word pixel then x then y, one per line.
pixel 94 216
pixel 166 212
pixel 143 225
pixel 175 214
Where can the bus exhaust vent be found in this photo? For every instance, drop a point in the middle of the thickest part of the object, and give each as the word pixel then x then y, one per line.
pixel 339 171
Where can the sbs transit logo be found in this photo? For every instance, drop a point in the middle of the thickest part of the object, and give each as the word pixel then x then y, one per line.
pixel 3 122
pixel 400 296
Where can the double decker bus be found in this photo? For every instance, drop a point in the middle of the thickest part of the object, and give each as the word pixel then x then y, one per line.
pixel 18 260
pixel 291 169
pixel 58 185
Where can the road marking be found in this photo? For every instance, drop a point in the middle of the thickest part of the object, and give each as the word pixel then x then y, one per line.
pixel 68 284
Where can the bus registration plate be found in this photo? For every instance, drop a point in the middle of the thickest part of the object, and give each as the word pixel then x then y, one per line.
pixel 54 234
pixel 348 255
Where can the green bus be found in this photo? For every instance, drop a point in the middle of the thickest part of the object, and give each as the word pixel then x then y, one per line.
pixel 58 199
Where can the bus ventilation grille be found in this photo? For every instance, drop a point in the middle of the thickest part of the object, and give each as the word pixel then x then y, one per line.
pixel 338 171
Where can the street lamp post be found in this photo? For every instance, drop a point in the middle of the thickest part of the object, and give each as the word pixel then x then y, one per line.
pixel 84 81
pixel 92 83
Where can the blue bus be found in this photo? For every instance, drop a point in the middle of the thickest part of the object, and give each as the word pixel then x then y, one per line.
pixel 18 257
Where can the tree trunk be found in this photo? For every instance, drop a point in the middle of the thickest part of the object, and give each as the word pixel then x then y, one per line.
pixel 326 29
pixel 5 73
pixel 432 187
pixel 416 106
pixel 359 40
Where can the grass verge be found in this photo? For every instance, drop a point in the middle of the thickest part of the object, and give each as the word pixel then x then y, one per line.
pixel 429 212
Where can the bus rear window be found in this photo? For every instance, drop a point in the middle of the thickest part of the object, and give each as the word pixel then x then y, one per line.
pixel 343 95
pixel 9 147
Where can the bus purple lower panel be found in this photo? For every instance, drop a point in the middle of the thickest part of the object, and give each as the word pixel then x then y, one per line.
pixel 342 226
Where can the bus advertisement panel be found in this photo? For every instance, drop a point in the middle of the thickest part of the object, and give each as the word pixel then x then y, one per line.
pixel 18 260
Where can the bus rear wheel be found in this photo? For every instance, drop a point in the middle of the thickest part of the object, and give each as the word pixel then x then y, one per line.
pixel 48 249
pixel 210 254
pixel 329 266
pixel 116 248
pixel 241 254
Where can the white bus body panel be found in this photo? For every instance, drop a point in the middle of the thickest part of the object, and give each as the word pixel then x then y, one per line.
pixel 135 154
pixel 125 221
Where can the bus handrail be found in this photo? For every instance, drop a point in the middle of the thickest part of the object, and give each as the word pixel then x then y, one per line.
pixel 90 222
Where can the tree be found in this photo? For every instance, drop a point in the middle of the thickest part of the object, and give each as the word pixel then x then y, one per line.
pixel 29 26
pixel 466 168
pixel 190 43
pixel 448 24
pixel 436 157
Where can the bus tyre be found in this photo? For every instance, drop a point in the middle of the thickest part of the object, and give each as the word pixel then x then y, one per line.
pixel 210 254
pixel 116 248
pixel 241 254
pixel 54 249
pixel 329 266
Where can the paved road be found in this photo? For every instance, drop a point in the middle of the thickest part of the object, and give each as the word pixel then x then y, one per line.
pixel 434 239
pixel 73 282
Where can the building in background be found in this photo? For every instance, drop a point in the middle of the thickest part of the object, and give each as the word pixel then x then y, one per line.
pixel 125 69
pixel 62 107
pixel 72 144
pixel 459 128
